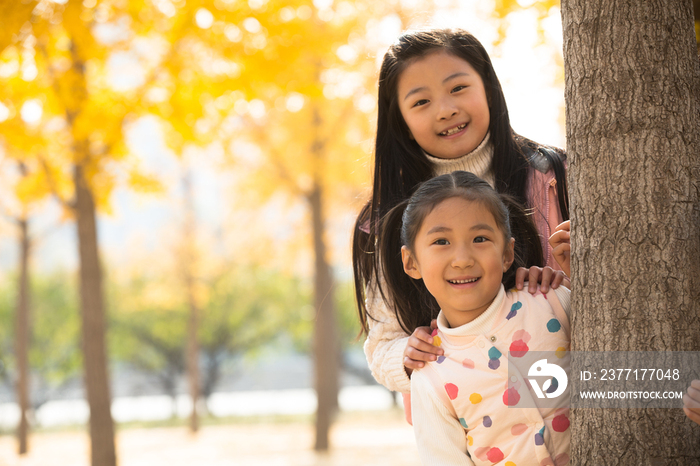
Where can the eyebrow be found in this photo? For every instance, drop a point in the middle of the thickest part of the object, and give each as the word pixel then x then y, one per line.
pixel 442 229
pixel 482 226
pixel 452 76
pixel 438 229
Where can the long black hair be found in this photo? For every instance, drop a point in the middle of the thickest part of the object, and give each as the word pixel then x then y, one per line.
pixel 409 299
pixel 400 164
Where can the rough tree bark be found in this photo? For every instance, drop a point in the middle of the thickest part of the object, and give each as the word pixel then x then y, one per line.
pixel 633 140
pixel 326 345
pixel 93 329
pixel 23 337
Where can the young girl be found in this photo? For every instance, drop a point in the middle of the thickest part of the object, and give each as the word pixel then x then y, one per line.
pixel 470 406
pixel 441 109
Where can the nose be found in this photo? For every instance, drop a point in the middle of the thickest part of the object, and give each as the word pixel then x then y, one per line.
pixel 446 109
pixel 463 258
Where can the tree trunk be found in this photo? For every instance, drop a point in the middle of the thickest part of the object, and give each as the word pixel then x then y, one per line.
pixel 633 139
pixel 193 321
pixel 193 356
pixel 94 328
pixel 23 338
pixel 326 344
pixel 325 331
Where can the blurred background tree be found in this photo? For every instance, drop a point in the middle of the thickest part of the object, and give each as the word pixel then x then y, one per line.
pixel 54 357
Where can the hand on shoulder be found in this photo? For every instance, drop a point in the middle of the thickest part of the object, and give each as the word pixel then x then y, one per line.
pixel 546 277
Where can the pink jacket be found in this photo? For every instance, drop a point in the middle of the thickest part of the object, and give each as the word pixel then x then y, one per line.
pixel 542 193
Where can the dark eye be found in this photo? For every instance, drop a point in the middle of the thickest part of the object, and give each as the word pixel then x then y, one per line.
pixel 441 242
pixel 458 88
pixel 480 239
pixel 420 102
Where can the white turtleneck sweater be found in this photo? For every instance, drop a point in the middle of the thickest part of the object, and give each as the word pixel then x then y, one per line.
pixel 477 161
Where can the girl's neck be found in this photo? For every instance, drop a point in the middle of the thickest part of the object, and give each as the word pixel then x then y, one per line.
pixel 477 161
pixel 481 324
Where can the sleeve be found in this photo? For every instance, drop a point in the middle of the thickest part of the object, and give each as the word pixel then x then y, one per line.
pixel 561 304
pixel 440 437
pixel 385 344
pixel 564 295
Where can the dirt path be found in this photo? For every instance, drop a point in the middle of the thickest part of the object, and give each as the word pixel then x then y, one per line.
pixel 359 440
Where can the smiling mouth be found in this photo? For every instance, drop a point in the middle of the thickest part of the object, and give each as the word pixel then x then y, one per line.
pixel 462 282
pixel 454 130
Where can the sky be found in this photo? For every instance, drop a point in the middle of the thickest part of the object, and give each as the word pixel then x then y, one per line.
pixel 530 73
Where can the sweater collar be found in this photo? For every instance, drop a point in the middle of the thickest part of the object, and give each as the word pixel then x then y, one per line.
pixel 477 161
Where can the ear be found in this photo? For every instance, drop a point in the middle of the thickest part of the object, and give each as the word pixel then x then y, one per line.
pixel 508 255
pixel 410 265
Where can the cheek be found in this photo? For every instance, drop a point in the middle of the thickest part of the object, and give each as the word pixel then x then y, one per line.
pixel 412 126
pixel 484 112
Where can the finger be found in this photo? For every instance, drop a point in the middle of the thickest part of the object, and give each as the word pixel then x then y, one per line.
pixel 424 341
pixel 693 393
pixel 691 403
pixel 411 364
pixel 560 237
pixel 695 384
pixel 692 415
pixel 433 324
pixel 415 347
pixel 520 276
pixel 423 334
pixel 562 249
pixel 535 273
pixel 557 279
pixel 547 273
pixel 564 226
pixel 560 252
pixel 415 354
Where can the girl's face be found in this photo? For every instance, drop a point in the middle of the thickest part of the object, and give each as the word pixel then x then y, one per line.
pixel 443 101
pixel 461 255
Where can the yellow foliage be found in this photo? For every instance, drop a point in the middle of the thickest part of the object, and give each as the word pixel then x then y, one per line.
pixel 12 16
pixel 273 81
pixel 143 183
pixel 32 188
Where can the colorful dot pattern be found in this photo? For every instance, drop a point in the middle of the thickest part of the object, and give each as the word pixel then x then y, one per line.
pixel 523 331
pixel 553 325
pixel 494 358
pixel 514 310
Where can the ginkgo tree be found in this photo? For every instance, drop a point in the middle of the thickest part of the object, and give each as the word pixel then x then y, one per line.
pixel 23 144
pixel 58 54
pixel 16 207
